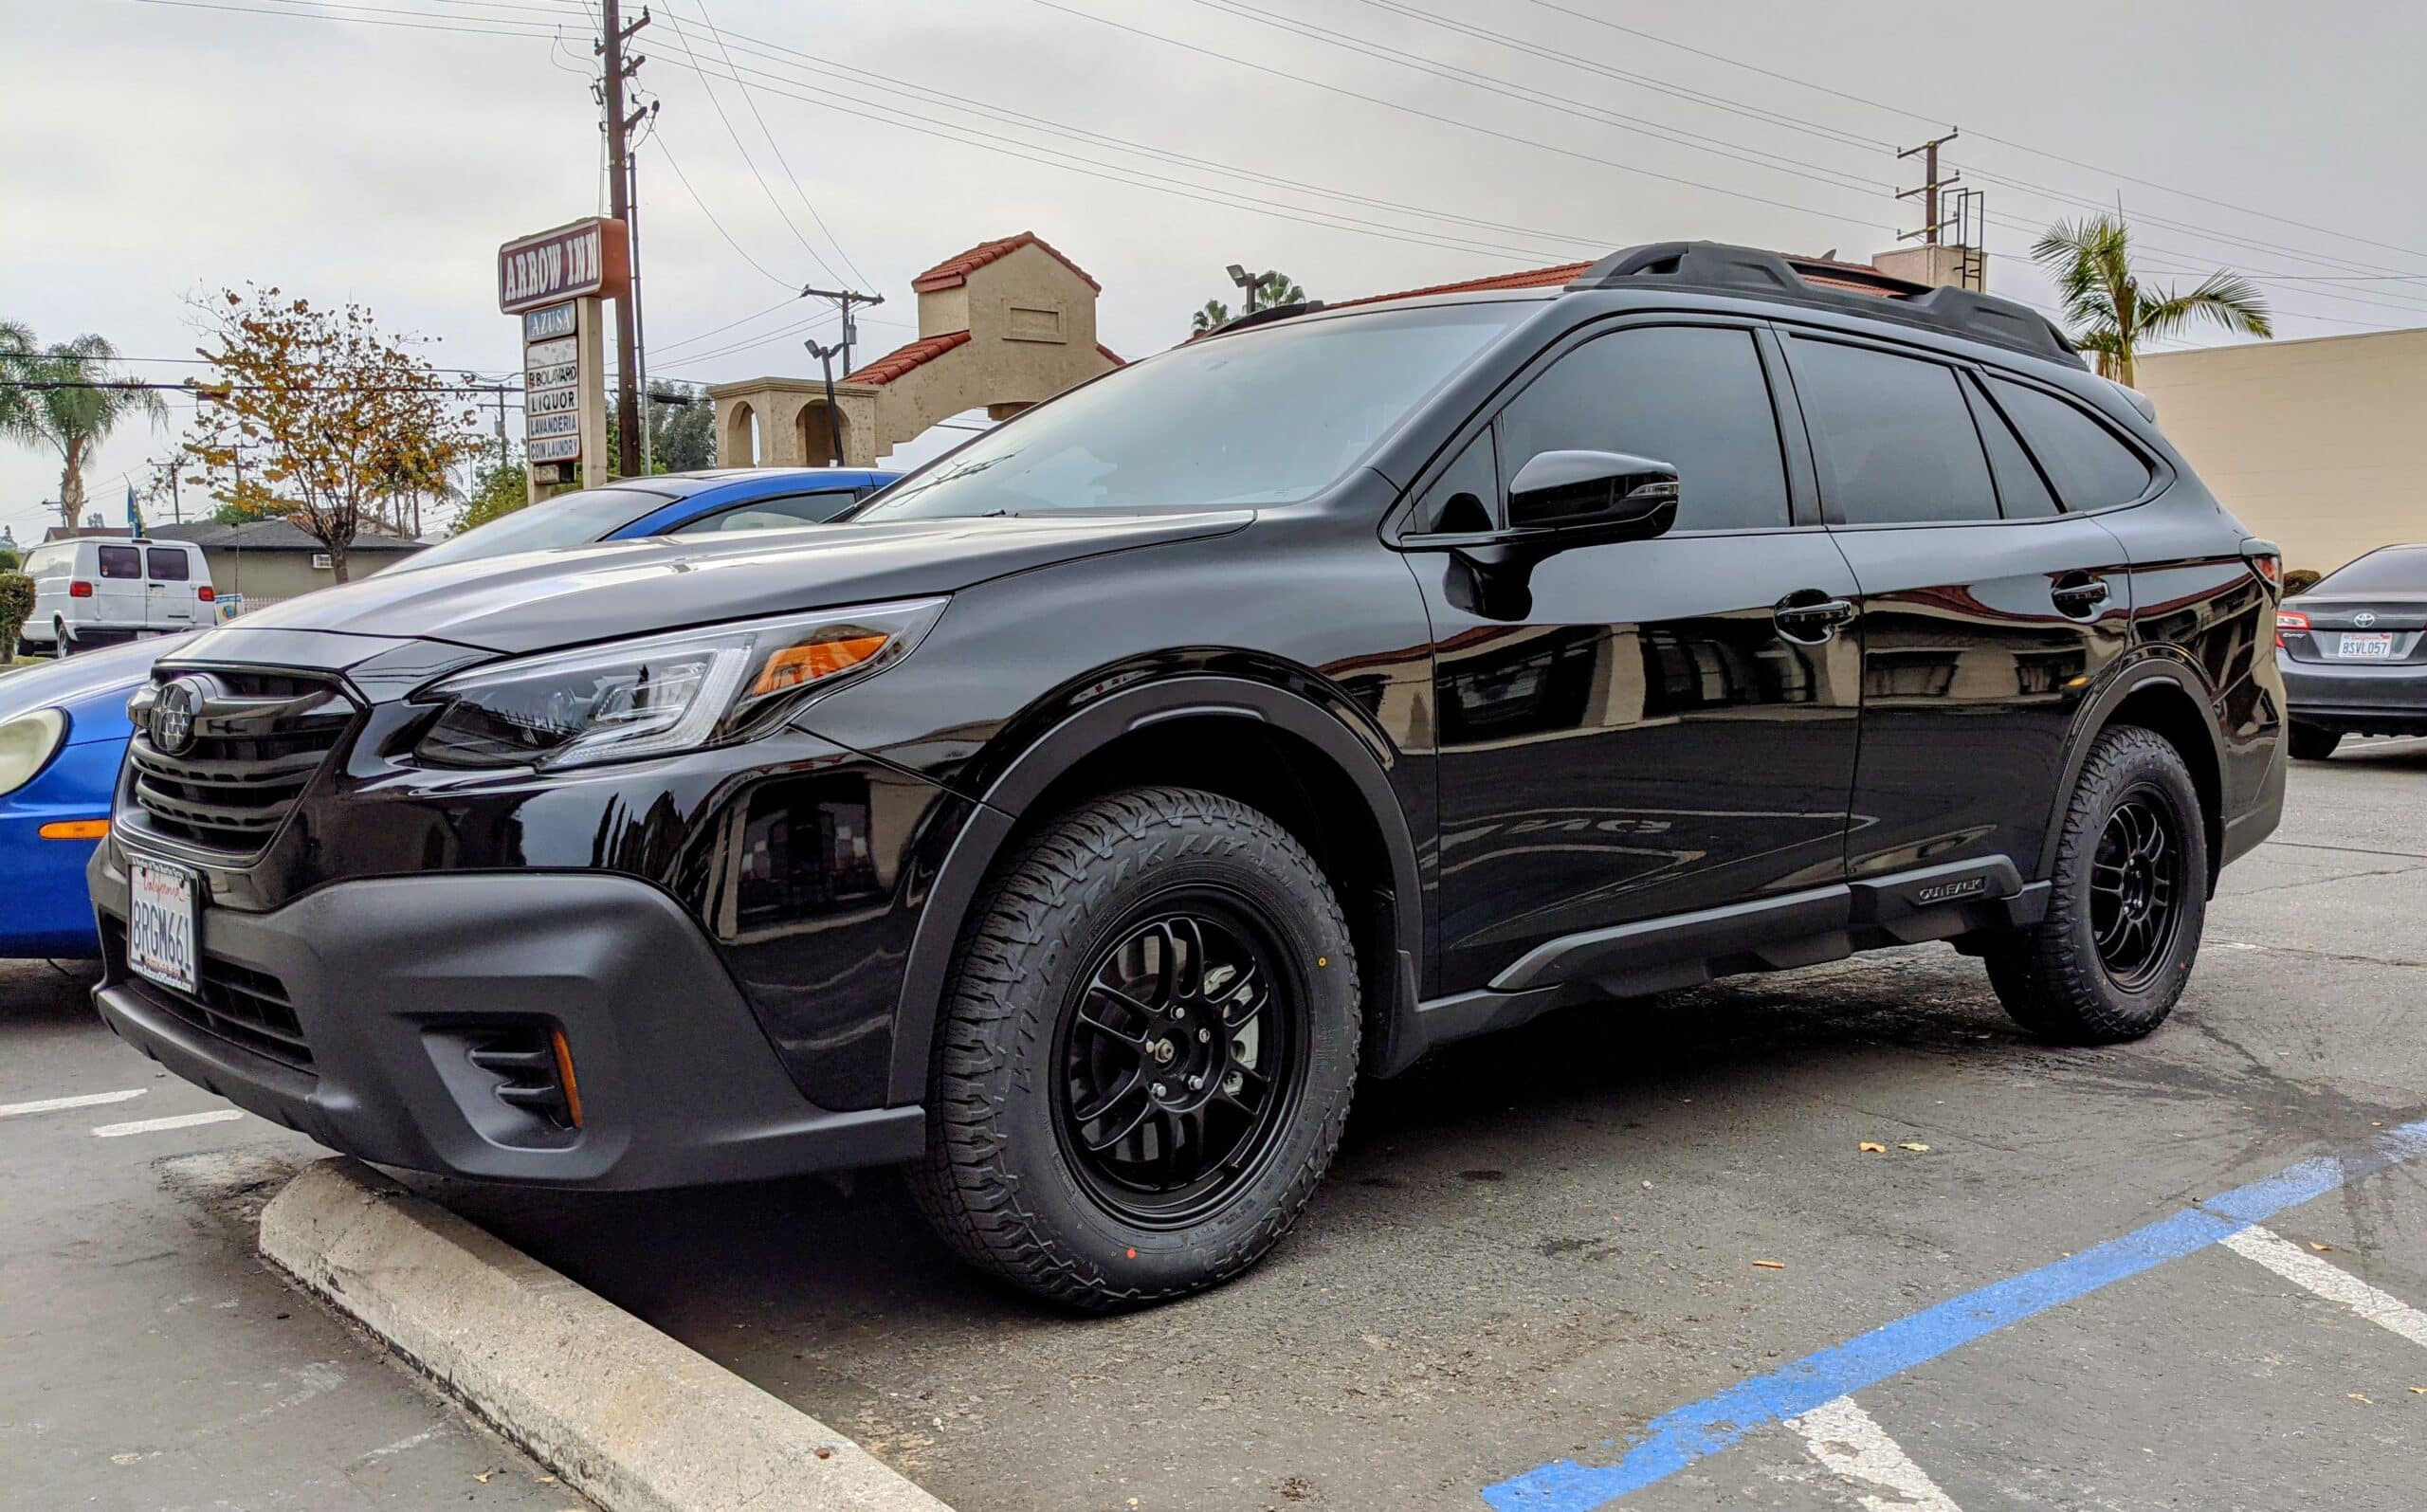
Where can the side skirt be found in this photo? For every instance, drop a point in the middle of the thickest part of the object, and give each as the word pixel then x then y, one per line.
pixel 1765 934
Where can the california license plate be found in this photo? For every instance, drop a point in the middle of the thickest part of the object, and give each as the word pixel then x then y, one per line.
pixel 160 924
pixel 2376 646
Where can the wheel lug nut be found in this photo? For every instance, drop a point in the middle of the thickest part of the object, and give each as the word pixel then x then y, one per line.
pixel 1194 1082
pixel 1204 1034
pixel 1159 1091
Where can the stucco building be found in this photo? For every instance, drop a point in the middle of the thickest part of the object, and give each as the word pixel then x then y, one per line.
pixel 1002 326
pixel 2316 445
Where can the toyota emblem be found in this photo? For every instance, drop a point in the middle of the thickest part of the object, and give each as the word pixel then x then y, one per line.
pixel 174 711
pixel 2363 619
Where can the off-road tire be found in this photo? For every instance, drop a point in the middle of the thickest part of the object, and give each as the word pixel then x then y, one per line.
pixel 2310 743
pixel 2050 975
pixel 994 1182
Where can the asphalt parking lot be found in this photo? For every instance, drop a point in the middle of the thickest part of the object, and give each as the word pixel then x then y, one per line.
pixel 1614 1257
pixel 1535 1249
pixel 148 1359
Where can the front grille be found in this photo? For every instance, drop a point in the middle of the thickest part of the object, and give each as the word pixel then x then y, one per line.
pixel 247 1008
pixel 257 741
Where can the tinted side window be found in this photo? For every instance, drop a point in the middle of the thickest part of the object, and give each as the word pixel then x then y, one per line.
pixel 1895 439
pixel 772 513
pixel 1693 396
pixel 2022 494
pixel 122 561
pixel 2091 468
pixel 167 566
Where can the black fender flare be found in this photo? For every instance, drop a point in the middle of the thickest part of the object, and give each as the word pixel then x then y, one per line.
pixel 2149 666
pixel 1033 769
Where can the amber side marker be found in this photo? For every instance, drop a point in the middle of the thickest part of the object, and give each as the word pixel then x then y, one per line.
pixel 564 1074
pixel 74 830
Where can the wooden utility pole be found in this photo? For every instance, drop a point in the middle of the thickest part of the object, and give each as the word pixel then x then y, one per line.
pixel 619 189
pixel 1932 219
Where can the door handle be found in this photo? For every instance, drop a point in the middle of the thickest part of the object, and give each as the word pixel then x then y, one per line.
pixel 2079 600
pixel 1810 616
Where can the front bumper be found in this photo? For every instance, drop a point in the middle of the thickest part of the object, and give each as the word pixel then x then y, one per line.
pixel 390 980
pixel 2388 697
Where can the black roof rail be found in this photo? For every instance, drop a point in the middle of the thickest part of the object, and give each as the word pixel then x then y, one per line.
pixel 1720 268
pixel 1269 312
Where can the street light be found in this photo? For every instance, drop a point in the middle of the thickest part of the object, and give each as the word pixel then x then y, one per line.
pixel 1248 281
pixel 825 355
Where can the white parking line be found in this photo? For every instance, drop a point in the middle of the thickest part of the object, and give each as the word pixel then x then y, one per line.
pixel 1849 1441
pixel 54 1105
pixel 183 1121
pixel 2330 1282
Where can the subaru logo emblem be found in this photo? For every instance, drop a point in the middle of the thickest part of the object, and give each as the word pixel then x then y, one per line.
pixel 174 711
pixel 2363 619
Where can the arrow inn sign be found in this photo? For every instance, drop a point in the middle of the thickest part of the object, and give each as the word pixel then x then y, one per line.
pixel 589 258
pixel 554 282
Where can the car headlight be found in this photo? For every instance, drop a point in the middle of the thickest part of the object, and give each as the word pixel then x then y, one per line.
pixel 675 692
pixel 26 744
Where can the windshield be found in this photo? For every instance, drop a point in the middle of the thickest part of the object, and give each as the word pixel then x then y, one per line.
pixel 1259 417
pixel 2394 570
pixel 568 520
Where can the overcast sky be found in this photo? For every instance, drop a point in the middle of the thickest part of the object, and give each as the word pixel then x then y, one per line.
pixel 157 149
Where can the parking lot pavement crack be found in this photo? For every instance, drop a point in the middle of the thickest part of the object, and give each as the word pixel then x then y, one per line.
pixel 2320 882
pixel 2350 957
pixel 2348 851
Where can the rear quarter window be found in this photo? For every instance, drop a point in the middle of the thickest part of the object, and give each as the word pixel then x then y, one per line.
pixel 2090 466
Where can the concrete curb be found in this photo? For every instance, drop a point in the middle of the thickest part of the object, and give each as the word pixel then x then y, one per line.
pixel 617 1409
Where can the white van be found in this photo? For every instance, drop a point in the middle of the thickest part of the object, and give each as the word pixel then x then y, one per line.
pixel 91 591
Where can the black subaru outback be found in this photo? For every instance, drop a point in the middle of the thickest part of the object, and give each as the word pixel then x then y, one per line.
pixel 1079 822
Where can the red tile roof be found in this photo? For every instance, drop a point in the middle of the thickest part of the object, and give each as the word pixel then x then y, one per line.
pixel 1111 355
pixel 902 358
pixel 953 271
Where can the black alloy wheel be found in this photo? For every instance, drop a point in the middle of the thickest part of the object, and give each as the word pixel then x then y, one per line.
pixel 2135 882
pixel 2125 904
pixel 1176 1058
pixel 1146 1052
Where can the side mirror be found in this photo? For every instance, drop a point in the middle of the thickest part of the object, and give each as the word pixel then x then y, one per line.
pixel 1609 495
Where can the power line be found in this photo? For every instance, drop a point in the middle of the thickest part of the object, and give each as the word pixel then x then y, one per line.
pixel 435 24
pixel 686 180
pixel 1004 114
pixel 1452 120
pixel 751 163
pixel 1111 173
pixel 2002 141
pixel 750 99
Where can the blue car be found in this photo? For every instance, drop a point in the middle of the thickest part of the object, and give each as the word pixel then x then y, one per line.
pixel 63 730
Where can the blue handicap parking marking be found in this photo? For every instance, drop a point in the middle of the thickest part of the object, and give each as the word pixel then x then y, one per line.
pixel 1678 1439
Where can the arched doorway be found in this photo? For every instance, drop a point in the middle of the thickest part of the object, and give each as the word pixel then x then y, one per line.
pixel 740 448
pixel 824 435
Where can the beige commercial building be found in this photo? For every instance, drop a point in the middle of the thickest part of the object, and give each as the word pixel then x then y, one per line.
pixel 266 560
pixel 2319 446
pixel 1003 325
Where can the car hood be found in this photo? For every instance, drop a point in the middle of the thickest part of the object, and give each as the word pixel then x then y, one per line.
pixel 542 600
pixel 92 686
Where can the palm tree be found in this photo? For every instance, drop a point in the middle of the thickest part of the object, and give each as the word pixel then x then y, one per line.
pixel 1270 290
pixel 63 397
pixel 2112 311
